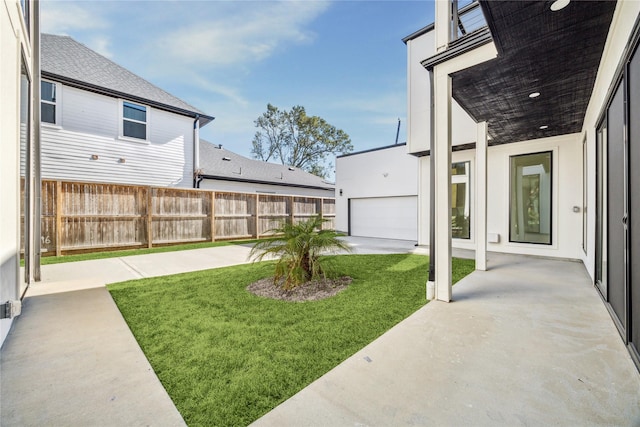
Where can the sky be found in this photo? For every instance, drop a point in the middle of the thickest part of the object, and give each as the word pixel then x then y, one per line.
pixel 342 60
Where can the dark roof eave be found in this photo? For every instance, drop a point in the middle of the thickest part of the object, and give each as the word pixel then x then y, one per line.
pixel 204 119
pixel 472 41
pixel 418 33
pixel 402 144
pixel 258 181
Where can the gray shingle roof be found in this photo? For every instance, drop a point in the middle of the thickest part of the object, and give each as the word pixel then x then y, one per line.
pixel 217 162
pixel 62 56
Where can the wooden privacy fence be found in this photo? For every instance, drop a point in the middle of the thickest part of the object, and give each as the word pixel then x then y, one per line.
pixel 90 217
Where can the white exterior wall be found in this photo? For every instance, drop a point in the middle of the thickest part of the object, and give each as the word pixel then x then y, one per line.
pixel 566 193
pixel 388 172
pixel 624 18
pixel 419 92
pixel 419 100
pixel 14 43
pixel 89 123
pixel 247 187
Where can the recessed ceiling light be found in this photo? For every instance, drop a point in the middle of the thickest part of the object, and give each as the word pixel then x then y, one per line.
pixel 559 4
pixel 544 127
pixel 534 95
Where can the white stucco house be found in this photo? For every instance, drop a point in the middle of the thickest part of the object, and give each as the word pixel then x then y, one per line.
pixel 103 123
pixel 224 170
pixel 538 101
pixel 377 193
pixel 19 175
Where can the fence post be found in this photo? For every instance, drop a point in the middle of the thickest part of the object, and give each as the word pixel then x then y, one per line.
pixel 58 218
pixel 213 216
pixel 149 218
pixel 257 222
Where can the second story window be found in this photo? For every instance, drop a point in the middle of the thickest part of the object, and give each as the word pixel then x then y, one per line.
pixel 134 120
pixel 48 102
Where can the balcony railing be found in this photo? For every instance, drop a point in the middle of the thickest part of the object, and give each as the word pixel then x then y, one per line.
pixel 466 17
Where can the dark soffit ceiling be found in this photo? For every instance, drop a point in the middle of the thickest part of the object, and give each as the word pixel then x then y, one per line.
pixel 554 53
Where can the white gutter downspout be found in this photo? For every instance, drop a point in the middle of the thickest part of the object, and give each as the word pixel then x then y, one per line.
pixel 196 151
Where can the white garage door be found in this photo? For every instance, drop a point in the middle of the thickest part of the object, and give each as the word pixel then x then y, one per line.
pixel 385 217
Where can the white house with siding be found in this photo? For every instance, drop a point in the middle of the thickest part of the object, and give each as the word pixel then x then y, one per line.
pixel 19 189
pixel 224 170
pixel 102 123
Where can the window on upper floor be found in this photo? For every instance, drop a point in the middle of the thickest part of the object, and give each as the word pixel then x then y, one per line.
pixel 48 102
pixel 134 120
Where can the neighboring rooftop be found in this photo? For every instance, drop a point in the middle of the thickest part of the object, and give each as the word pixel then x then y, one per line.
pixel 219 163
pixel 63 58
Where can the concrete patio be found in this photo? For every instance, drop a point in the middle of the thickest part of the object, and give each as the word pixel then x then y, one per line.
pixel 527 343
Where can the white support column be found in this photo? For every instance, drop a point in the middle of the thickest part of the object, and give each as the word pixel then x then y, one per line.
pixel 441 150
pixel 481 197
pixel 443 24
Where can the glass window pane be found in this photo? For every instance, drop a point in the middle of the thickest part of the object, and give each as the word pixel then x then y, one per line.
pixel 134 112
pixel 460 205
pixel 48 113
pixel 48 91
pixel 134 130
pixel 530 198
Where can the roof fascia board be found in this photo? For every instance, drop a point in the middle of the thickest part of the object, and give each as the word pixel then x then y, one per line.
pixel 257 181
pixel 418 33
pixel 371 150
pixel 473 41
pixel 454 148
pixel 204 119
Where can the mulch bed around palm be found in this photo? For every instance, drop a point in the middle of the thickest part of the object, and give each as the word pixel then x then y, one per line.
pixel 310 291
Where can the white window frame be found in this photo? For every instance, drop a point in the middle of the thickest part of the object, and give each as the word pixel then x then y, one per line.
pixel 122 120
pixel 57 105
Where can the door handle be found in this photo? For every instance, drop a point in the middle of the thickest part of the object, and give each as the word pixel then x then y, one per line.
pixel 625 220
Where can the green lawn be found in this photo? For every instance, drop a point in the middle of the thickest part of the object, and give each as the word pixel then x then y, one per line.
pixel 226 357
pixel 128 252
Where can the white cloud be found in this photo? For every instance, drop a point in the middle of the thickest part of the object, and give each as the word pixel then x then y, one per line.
pixel 101 44
pixel 245 33
pixel 227 92
pixel 63 17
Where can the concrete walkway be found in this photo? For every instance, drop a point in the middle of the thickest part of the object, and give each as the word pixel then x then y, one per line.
pixel 70 358
pixel 527 343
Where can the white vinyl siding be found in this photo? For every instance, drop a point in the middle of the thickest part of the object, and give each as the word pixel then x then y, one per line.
pixel 90 128
pixel 88 112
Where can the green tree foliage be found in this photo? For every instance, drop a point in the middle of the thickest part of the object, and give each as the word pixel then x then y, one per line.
pixel 298 140
pixel 298 248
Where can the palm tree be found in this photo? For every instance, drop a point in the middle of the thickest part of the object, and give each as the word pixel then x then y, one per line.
pixel 298 248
